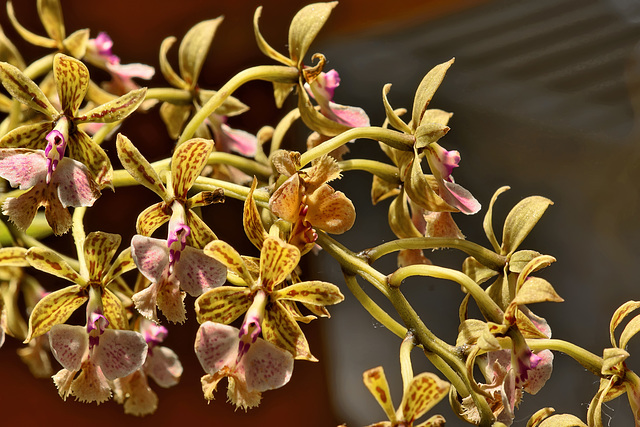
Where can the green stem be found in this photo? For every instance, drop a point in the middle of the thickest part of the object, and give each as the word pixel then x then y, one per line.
pixel 406 367
pixel 449 373
pixel 488 307
pixel 282 128
pixel 232 190
pixel 39 67
pixel 485 256
pixel 390 137
pixel 381 170
pixel 104 131
pixel 584 357
pixel 273 73
pixel 374 309
pixel 248 166
pixel 169 94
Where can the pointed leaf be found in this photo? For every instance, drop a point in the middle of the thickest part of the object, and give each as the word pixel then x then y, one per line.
pixel 13 257
pixel 521 220
pixel 50 262
pixel 120 353
pixel 632 328
pixel 534 290
pixel 264 46
pixel 400 218
pixel 313 292
pixel 223 304
pixel 139 168
pixel 424 391
pixel 99 249
pixel 69 344
pixel 115 110
pixel 315 120
pixel 376 381
pixel 50 14
pixel 194 48
pixel 25 90
pixel 277 260
pixel 251 219
pixel 392 117
pixel 426 90
pixel 72 81
pixel 28 35
pixel 224 253
pixel 151 218
pixel 186 164
pixel 82 148
pixel 620 314
pixel 304 28
pixel 53 309
pixel 165 67
pixel 114 310
pixel 201 234
pixel 487 223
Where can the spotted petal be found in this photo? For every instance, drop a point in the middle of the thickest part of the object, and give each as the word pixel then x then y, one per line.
pixel 198 272
pixel 313 292
pixel 267 367
pixel 25 90
pixel 330 210
pixel 115 110
pixel 114 310
pixel 99 249
pixel 53 309
pixel 72 81
pixel 28 136
pixel 424 391
pixel 223 304
pixel 120 353
pixel 216 346
pixel 22 168
pixel 82 148
pixel 279 328
pixel 151 218
pixel 75 184
pixel 277 260
pixel 68 345
pixel 376 381
pixel 151 256
pixel 163 366
pixel 50 262
pixel 187 163
pixel 224 253
pixel 251 219
pixel 139 168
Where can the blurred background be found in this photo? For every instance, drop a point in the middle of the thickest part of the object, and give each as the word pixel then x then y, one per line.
pixel 545 95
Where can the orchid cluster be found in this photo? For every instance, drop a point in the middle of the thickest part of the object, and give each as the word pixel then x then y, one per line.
pixel 54 138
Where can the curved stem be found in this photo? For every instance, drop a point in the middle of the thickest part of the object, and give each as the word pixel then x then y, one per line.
pixel 232 190
pixel 39 67
pixel 374 309
pixel 381 170
pixel 274 73
pixel 485 256
pixel 282 128
pixel 248 166
pixel 169 94
pixel 406 367
pixel 395 139
pixel 584 357
pixel 488 307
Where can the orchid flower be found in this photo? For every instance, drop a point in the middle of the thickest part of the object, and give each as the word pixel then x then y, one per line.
pixel 99 354
pixel 250 372
pixel 162 364
pixel 72 81
pixel 177 262
pixel 262 299
pixel 52 180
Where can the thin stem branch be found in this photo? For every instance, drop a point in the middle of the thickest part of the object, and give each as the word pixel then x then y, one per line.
pixel 381 170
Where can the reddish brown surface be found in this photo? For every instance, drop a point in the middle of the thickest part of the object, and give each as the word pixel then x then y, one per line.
pixel 137 28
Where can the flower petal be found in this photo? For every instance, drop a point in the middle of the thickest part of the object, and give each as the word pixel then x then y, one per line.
pixel 279 328
pixel 99 249
pixel 119 353
pixel 83 149
pixel 277 260
pixel 194 48
pixel 151 256
pixel 285 201
pixel 424 391
pixel 30 136
pixel 53 309
pixel 50 262
pixel 145 302
pixel 170 300
pixel 139 168
pixel 163 366
pixel 187 163
pixel 251 219
pixel 22 167
pixel 216 346
pixel 69 345
pixel 115 110
pixel 376 381
pixel 223 304
pixel 266 366
pixel 314 292
pixel 198 272
pixel 50 13
pixel 151 218
pixel 91 385
pixel 25 90
pixel 304 28
pixel 224 253
pixel 330 210
pixel 22 209
pixel 114 310
pixel 76 186
pixel 72 81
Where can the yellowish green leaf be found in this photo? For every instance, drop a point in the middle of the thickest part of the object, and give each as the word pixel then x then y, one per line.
pixel 114 310
pixel 392 116
pixel 201 234
pixel 53 309
pixel 521 220
pixel 30 136
pixel 99 249
pixel 429 133
pixel 72 81
pixel 165 67
pixel 487 223
pixel 50 262
pixel 115 110
pixel 277 260
pixel 620 314
pixel 534 290
pixel 520 259
pixel 418 189
pixel 382 189
pixel 224 253
pixel 304 28
pixel 9 53
pixel 264 46
pixel 478 272
pixel 313 292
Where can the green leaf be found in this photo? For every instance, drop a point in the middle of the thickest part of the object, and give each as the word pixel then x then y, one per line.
pixel 521 220
pixel 165 67
pixel 194 48
pixel 25 90
pixel 53 309
pixel 304 28
pixel 426 90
